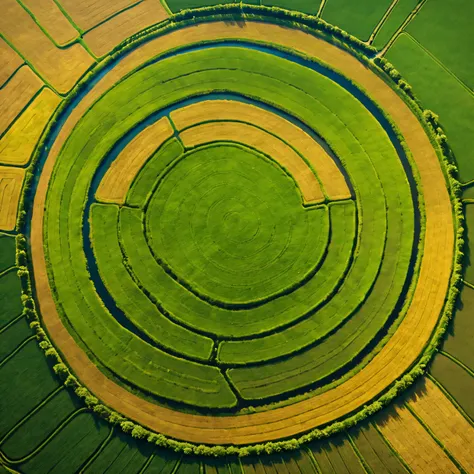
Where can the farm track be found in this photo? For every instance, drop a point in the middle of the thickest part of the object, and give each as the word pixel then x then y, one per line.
pixel 408 340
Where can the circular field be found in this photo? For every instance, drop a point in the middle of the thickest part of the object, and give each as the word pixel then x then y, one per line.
pixel 225 224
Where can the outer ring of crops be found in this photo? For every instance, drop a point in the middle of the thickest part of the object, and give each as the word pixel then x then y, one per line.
pixel 387 396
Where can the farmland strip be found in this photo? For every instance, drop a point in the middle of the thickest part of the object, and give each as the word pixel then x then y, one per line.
pixel 105 37
pixel 128 296
pixel 261 141
pixel 50 17
pixel 60 67
pixel 117 181
pixel 330 176
pixel 16 96
pixel 11 182
pixel 18 144
pixel 414 444
pixel 408 340
pixel 88 13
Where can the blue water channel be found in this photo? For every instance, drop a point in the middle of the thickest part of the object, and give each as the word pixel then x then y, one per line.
pixel 132 133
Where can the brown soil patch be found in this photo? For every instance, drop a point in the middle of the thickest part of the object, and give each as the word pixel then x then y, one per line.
pixel 60 67
pixel 394 359
pixel 18 144
pixel 105 37
pixel 119 177
pixel 9 60
pixel 11 182
pixel 330 177
pixel 51 18
pixel 414 444
pixel 261 141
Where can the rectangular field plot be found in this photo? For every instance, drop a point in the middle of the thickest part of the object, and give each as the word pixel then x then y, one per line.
pixel 18 144
pixel 222 466
pixel 449 426
pixel 469 247
pixel 7 251
pixel 76 442
pixel 357 18
pixel 105 37
pixel 16 95
pixel 397 16
pixel 441 92
pixel 88 13
pixel 305 6
pixel 337 456
pixel 48 418
pixel 163 462
pixel 413 443
pixel 60 67
pixel 120 175
pixel 122 453
pixel 376 452
pixel 151 171
pixel 50 17
pixel 10 293
pixel 460 339
pixel 11 182
pixel 457 381
pixel 454 46
pixel 13 336
pixel 25 381
pixel 9 60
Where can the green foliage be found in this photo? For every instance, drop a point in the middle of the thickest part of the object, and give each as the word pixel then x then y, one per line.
pixel 277 446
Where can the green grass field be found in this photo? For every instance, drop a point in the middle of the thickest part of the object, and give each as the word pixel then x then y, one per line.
pixel 439 90
pixel 357 18
pixel 453 47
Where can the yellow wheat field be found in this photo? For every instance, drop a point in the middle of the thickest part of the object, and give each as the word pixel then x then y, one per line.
pixel 332 181
pixel 88 13
pixel 393 360
pixel 447 424
pixel 105 37
pixel 115 185
pixel 18 144
pixel 11 181
pixel 51 18
pixel 261 141
pixel 9 60
pixel 16 95
pixel 60 67
pixel 414 444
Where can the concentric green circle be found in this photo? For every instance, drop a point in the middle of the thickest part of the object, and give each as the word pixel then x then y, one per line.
pixel 230 223
pixel 215 285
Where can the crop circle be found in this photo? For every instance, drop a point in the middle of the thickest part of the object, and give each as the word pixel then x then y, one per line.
pixel 246 225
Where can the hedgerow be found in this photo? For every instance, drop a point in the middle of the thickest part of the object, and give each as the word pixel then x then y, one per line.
pixel 63 372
